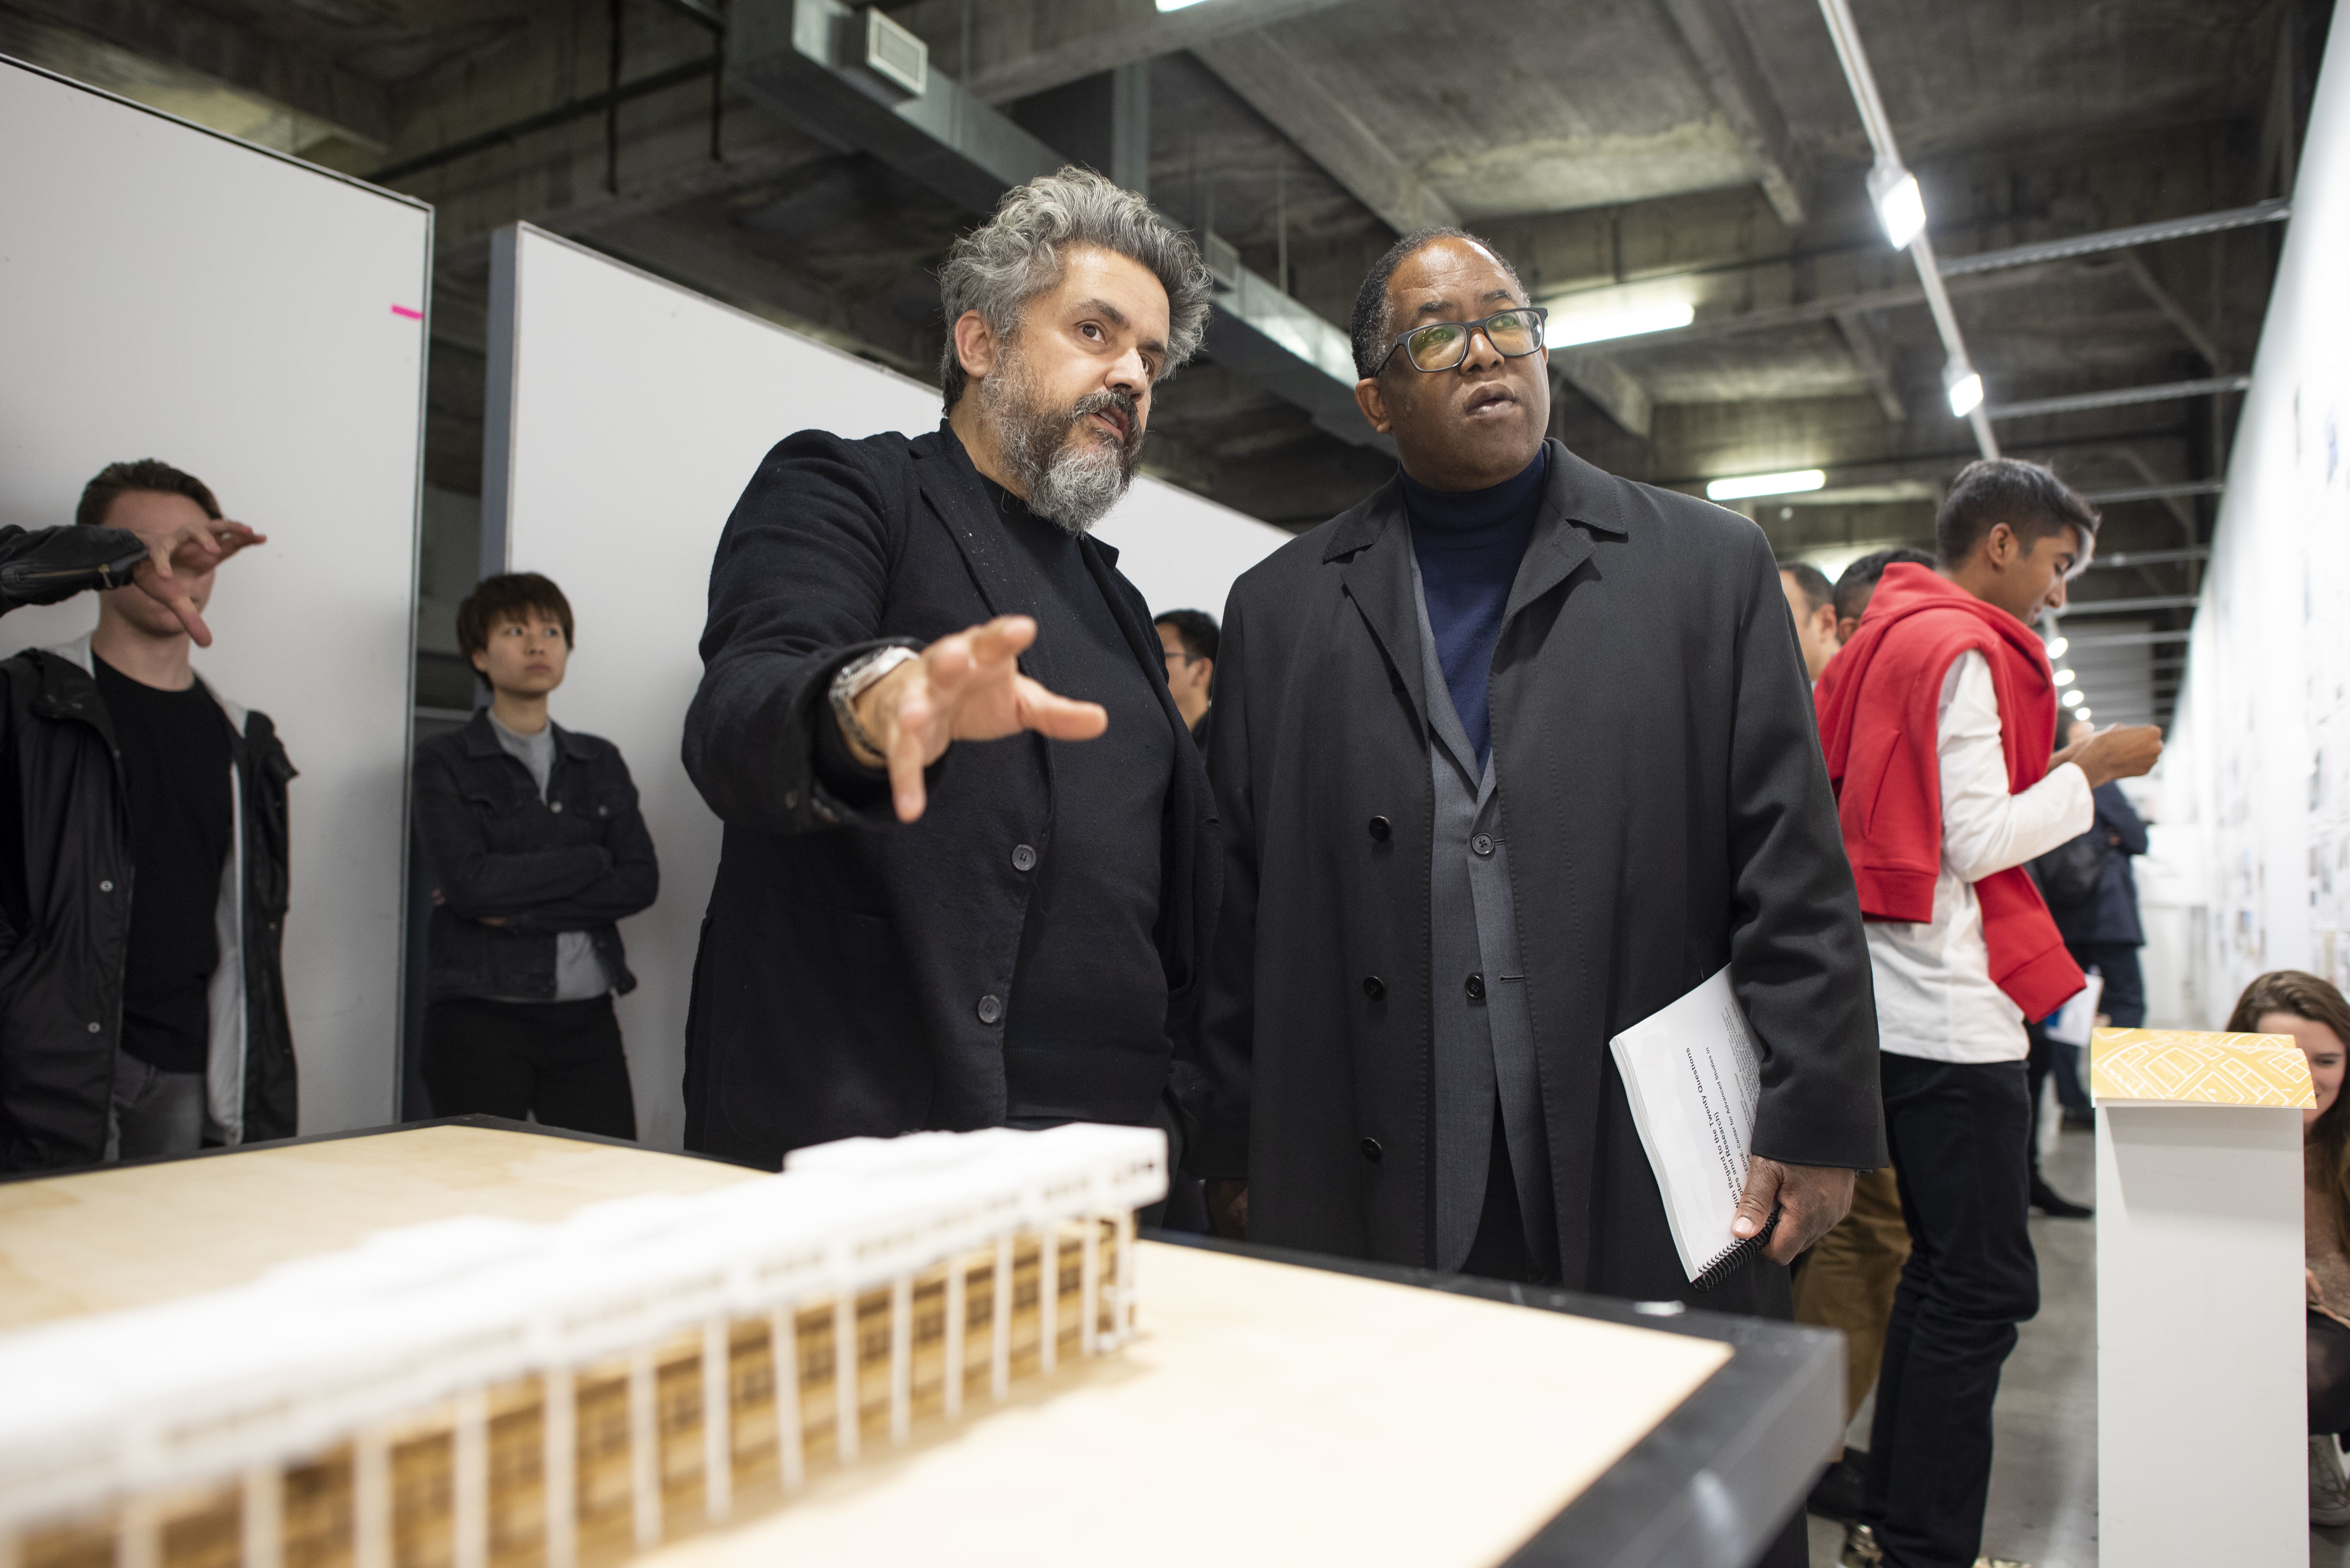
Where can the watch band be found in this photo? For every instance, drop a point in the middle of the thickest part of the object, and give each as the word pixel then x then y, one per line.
pixel 852 681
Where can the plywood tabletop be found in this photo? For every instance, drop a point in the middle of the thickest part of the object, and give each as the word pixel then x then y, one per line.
pixel 1268 1414
pixel 99 1240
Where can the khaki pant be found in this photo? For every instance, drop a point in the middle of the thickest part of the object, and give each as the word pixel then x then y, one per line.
pixel 1848 1280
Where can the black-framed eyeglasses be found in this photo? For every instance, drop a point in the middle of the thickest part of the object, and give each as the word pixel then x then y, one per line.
pixel 1514 333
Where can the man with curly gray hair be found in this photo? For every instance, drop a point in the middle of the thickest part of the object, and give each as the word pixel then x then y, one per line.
pixel 899 939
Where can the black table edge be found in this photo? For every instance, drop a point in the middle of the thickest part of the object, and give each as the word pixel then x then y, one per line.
pixel 1710 1487
pixel 1717 1480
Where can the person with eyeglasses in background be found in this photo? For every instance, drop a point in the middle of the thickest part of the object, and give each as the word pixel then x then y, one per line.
pixel 1509 756
pixel 1189 636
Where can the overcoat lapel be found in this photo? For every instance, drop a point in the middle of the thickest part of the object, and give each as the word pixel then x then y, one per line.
pixel 1379 580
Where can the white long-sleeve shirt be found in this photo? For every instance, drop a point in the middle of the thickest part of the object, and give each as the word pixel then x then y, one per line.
pixel 1935 997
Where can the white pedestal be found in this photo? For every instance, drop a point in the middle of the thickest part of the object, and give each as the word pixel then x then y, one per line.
pixel 2201 1375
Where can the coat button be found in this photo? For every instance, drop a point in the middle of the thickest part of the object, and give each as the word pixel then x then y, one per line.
pixel 555 805
pixel 106 886
pixel 93 1029
pixel 1024 859
pixel 1374 987
pixel 990 1009
pixel 1381 828
pixel 1483 844
pixel 1476 988
pixel 1371 1150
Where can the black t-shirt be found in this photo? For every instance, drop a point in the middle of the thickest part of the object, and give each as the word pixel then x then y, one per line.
pixel 176 762
pixel 1085 1035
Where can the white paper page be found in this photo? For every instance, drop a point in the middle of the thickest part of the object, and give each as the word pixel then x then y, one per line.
pixel 2076 1018
pixel 1694 1080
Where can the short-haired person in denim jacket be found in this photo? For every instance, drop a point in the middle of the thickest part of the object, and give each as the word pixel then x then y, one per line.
pixel 535 848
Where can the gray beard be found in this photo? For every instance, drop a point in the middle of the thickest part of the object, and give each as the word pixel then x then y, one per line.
pixel 1071 485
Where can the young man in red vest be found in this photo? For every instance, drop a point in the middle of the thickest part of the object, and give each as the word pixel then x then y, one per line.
pixel 1937 720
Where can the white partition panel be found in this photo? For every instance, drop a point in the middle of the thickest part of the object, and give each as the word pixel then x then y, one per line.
pixel 168 292
pixel 626 415
pixel 2257 775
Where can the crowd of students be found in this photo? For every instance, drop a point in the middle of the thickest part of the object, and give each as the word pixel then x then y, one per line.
pixel 1354 934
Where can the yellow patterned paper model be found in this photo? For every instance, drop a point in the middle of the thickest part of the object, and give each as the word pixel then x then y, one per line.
pixel 2185 1068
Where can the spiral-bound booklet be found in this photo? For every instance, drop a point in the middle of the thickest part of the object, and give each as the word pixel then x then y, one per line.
pixel 1694 1078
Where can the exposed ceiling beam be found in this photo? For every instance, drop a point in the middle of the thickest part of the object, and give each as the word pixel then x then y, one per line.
pixel 2119 239
pixel 2157 492
pixel 2152 558
pixel 1824 308
pixel 309 84
pixel 1271 79
pixel 1613 389
pixel 2120 397
pixel 2177 315
pixel 1023 47
pixel 1724 53
pixel 2130 607
pixel 2126 639
pixel 1868 357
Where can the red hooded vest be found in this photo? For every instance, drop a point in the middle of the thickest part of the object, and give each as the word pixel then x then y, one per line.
pixel 1879 704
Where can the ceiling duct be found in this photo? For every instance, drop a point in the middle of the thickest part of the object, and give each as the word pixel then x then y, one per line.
pixel 843 76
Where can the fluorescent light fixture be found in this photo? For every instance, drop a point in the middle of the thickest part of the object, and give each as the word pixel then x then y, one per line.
pixel 2073 697
pixel 1786 484
pixel 2066 678
pixel 1176 4
pixel 1599 325
pixel 2056 647
pixel 1964 388
pixel 2081 713
pixel 1900 206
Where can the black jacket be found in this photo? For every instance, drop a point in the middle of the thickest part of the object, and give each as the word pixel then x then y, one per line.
pixel 853 970
pixel 1668 813
pixel 43 566
pixel 2110 915
pixel 577 860
pixel 66 884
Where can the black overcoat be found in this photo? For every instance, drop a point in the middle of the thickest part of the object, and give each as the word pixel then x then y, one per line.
pixel 1668 812
pixel 853 970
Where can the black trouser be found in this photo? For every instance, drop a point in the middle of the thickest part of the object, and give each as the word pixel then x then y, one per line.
pixel 1957 1138
pixel 2329 1374
pixel 2123 997
pixel 560 1061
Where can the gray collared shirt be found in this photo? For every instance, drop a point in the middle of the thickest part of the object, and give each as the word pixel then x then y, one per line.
pixel 1483 1029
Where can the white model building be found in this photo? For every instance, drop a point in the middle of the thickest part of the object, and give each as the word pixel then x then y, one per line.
pixel 481 1393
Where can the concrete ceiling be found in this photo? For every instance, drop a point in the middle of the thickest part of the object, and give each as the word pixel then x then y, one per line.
pixel 1703 150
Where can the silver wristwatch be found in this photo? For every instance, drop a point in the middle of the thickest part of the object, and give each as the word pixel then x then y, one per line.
pixel 851 683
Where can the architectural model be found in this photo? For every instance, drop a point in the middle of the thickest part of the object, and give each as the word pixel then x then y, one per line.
pixel 480 1393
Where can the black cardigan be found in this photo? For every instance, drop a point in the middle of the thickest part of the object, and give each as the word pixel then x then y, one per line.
pixel 853 970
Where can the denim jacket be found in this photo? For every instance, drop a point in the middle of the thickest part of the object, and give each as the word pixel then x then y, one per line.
pixel 578 861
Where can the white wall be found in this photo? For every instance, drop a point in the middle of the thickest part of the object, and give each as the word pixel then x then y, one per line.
pixel 2257 777
pixel 166 292
pixel 635 413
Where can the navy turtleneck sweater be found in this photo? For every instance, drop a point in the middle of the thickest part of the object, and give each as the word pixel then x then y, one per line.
pixel 1468 543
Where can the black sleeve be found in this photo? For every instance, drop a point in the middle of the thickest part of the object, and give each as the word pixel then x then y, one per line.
pixel 1215 1087
pixel 797 589
pixel 41 566
pixel 631 885
pixel 474 881
pixel 2117 816
pixel 1798 959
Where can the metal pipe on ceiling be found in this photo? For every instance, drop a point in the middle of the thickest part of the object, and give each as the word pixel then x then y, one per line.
pixel 2157 492
pixel 1846 35
pixel 2124 639
pixel 2121 396
pixel 2131 606
pixel 2270 211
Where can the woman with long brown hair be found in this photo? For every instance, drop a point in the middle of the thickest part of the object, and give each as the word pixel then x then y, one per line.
pixel 2313 1012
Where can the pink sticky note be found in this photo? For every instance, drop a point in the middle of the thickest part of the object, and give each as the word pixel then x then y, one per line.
pixel 402 310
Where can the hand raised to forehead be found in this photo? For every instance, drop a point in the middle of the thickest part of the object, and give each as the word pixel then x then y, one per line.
pixel 966 687
pixel 186 552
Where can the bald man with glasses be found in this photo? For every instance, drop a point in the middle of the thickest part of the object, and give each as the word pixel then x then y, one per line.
pixel 1509 757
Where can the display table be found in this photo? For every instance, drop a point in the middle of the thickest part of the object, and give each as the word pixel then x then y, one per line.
pixel 2201 1385
pixel 1275 1409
